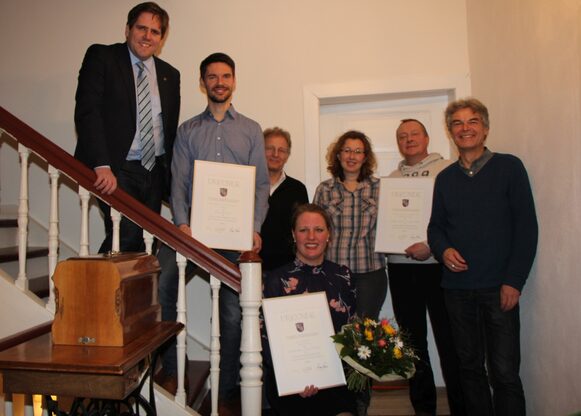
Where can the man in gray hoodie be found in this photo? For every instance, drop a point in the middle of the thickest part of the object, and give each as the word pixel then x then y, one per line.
pixel 414 282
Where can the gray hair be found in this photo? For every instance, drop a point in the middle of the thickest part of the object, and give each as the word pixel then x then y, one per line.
pixel 471 103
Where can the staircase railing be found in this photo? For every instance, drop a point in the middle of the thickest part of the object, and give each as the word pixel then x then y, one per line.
pixel 188 249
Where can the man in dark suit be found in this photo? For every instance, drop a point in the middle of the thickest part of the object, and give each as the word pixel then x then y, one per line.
pixel 126 116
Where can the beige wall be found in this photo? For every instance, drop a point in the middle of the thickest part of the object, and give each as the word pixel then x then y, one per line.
pixel 279 47
pixel 524 61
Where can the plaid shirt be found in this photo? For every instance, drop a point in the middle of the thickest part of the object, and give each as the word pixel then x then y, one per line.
pixel 354 217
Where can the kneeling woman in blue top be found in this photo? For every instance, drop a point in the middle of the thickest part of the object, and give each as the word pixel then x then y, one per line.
pixel 309 273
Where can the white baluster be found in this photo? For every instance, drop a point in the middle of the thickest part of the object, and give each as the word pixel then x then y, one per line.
pixel 250 346
pixel 215 344
pixel 148 239
pixel 181 338
pixel 116 219
pixel 84 195
pixel 28 407
pixel 53 234
pixel 8 405
pixel 22 281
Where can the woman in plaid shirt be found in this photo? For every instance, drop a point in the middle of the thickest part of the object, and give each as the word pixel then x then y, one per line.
pixel 350 198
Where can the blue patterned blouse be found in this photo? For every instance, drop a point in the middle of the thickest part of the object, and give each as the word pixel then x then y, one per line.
pixel 297 278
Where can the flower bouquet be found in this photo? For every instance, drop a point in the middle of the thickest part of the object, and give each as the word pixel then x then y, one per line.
pixel 373 350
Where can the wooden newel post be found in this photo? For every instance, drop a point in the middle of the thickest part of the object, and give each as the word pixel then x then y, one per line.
pixel 250 347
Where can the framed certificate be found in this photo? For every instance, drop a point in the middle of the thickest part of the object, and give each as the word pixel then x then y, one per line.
pixel 405 205
pixel 299 332
pixel 222 214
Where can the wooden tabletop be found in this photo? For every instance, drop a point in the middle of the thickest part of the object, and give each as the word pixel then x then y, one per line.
pixel 37 366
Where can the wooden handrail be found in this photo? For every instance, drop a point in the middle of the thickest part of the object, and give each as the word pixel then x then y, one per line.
pixel 155 224
pixel 25 335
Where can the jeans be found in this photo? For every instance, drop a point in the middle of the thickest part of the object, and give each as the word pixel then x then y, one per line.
pixel 143 185
pixel 482 330
pixel 415 289
pixel 371 291
pixel 230 319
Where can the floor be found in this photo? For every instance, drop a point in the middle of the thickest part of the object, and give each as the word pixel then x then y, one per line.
pixel 394 401
pixel 388 399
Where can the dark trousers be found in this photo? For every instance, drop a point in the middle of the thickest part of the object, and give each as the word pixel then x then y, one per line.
pixel 482 330
pixel 371 291
pixel 143 185
pixel 415 289
pixel 230 319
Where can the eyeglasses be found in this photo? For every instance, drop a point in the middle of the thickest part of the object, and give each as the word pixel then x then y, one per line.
pixel 281 150
pixel 348 151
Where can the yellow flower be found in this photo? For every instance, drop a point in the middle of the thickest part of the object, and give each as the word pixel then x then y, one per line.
pixel 368 334
pixel 388 329
pixel 367 322
pixel 397 353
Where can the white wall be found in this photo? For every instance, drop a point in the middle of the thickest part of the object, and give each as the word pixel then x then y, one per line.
pixel 524 61
pixel 524 64
pixel 279 46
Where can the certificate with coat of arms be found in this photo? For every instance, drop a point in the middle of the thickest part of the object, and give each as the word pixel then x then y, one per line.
pixel 299 331
pixel 222 214
pixel 404 209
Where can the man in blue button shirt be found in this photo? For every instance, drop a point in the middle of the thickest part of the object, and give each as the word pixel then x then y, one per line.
pixel 218 134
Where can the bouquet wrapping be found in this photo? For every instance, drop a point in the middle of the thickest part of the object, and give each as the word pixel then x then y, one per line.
pixel 374 350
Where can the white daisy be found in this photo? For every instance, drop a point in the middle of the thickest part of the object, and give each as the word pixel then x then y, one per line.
pixel 363 352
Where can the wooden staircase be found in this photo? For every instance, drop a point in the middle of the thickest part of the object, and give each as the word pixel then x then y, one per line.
pixel 8 254
pixel 34 149
pixel 198 371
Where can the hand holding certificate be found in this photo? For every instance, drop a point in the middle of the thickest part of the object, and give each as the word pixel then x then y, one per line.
pixel 405 205
pixel 299 332
pixel 223 205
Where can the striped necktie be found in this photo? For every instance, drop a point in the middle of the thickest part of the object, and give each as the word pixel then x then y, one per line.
pixel 145 120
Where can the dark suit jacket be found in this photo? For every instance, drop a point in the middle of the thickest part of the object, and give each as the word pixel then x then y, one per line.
pixel 105 108
pixel 277 241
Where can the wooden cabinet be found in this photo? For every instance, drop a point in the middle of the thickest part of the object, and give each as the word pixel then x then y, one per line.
pixel 105 301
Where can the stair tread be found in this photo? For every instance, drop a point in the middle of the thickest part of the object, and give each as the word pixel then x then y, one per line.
pixel 39 286
pixel 11 253
pixel 8 222
pixel 198 373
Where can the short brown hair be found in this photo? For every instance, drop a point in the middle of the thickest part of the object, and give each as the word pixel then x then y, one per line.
pixel 217 57
pixel 334 165
pixel 149 7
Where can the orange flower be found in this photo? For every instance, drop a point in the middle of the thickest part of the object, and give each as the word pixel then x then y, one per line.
pixel 387 328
